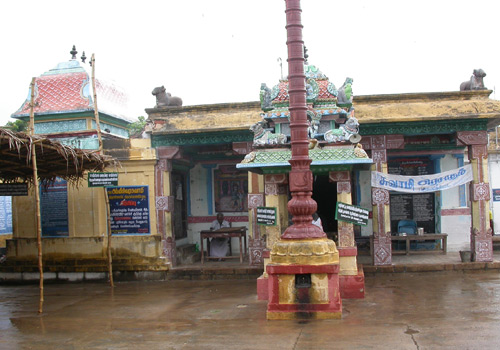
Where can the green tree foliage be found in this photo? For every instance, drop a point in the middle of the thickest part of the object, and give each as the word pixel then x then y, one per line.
pixel 136 127
pixel 17 126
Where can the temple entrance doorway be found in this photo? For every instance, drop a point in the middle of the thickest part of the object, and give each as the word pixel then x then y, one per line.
pixel 325 195
pixel 180 205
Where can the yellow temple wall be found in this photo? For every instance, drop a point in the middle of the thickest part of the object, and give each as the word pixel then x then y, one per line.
pixel 87 222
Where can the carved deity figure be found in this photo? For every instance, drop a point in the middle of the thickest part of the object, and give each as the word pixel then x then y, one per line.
pixel 475 82
pixel 344 97
pixel 265 97
pixel 165 99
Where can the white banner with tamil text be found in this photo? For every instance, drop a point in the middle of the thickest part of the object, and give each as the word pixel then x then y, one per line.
pixel 423 183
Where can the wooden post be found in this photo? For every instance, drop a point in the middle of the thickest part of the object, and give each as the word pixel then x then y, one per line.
pixel 37 193
pixel 101 151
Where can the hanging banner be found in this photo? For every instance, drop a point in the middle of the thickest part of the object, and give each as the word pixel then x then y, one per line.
pixel 423 183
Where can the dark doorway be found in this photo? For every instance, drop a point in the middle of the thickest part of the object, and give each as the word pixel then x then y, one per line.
pixel 180 205
pixel 325 195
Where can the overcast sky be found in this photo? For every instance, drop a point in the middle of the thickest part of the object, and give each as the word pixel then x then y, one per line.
pixel 222 50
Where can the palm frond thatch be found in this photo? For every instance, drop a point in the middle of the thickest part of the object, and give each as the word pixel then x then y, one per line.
pixel 53 159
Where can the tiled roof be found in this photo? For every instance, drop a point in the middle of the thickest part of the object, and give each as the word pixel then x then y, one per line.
pixel 59 93
pixel 67 89
pixel 327 156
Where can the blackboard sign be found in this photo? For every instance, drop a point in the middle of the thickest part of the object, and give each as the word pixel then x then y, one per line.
pixel 102 179
pixel 266 216
pixel 496 195
pixel 54 209
pixel 14 189
pixel 129 208
pixel 351 213
pixel 418 207
pixel 411 166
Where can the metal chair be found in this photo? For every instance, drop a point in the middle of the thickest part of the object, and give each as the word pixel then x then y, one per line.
pixel 407 226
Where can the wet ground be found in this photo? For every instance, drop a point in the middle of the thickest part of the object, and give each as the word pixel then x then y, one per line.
pixel 442 310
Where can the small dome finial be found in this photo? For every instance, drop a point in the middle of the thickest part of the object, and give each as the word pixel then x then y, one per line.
pixel 83 57
pixel 73 53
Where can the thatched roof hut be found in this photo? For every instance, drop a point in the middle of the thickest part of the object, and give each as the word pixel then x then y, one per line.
pixel 53 159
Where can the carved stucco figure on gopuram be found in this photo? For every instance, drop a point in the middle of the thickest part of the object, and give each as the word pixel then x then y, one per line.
pixel 330 113
pixel 330 123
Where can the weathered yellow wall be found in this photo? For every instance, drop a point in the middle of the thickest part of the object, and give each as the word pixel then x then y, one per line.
pixel 87 217
pixel 3 238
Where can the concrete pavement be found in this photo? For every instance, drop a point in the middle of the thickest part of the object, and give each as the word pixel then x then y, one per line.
pixel 440 310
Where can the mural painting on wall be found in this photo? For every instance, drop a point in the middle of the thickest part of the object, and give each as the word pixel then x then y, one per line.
pixel 231 189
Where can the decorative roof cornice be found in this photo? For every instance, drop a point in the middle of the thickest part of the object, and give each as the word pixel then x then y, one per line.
pixel 423 127
pixel 201 138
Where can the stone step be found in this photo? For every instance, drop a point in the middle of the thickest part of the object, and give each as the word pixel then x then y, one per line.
pixel 214 273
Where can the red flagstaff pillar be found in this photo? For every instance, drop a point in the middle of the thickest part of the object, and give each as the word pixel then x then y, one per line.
pixel 301 206
pixel 303 270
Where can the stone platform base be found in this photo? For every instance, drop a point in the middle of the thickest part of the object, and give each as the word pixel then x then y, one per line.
pixel 318 297
pixel 353 287
pixel 262 288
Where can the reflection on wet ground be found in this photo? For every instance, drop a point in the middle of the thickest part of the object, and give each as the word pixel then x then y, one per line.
pixel 443 310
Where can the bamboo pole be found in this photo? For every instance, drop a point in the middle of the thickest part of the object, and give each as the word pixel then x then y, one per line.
pixel 37 195
pixel 110 258
pixel 101 151
pixel 96 111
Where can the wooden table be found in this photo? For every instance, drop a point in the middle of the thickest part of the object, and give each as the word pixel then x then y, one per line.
pixel 443 237
pixel 226 232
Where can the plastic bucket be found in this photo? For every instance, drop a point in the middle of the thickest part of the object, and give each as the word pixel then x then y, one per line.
pixel 465 255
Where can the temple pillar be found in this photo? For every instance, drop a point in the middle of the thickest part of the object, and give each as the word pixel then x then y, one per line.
pixel 382 254
pixel 381 214
pixel 351 280
pixel 256 243
pixel 275 192
pixel 481 233
pixel 276 197
pixel 348 265
pixel 164 201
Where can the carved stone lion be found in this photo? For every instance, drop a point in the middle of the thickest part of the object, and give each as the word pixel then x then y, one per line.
pixel 475 82
pixel 165 99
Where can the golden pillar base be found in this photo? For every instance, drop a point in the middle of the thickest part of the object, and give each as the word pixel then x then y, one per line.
pixel 304 280
pixel 306 251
